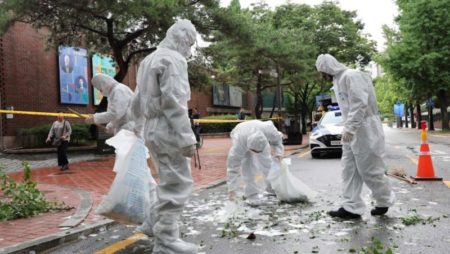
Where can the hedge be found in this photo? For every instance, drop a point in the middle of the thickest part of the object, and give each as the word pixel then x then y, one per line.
pixel 36 136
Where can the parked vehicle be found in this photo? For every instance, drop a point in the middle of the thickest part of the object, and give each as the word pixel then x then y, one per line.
pixel 326 136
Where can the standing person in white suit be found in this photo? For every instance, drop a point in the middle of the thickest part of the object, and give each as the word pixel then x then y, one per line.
pixel 250 152
pixel 160 111
pixel 119 96
pixel 362 138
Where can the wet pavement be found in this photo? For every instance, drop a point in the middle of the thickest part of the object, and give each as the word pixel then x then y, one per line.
pixel 418 222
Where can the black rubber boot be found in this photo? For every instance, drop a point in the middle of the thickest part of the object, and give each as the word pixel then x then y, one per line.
pixel 377 211
pixel 343 214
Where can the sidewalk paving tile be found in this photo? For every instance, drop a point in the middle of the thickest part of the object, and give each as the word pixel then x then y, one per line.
pixel 96 176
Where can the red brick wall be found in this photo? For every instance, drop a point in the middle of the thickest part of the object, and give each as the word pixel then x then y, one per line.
pixel 30 80
pixel 202 100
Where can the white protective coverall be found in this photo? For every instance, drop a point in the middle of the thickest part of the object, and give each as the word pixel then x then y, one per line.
pixel 160 108
pixel 119 96
pixel 253 135
pixel 362 158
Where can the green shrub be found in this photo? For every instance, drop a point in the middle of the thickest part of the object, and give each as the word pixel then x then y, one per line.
pixel 222 117
pixel 217 127
pixel 80 135
pixel 225 117
pixel 23 200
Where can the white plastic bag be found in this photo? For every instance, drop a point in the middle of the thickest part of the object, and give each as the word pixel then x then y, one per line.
pixel 122 142
pixel 287 186
pixel 132 193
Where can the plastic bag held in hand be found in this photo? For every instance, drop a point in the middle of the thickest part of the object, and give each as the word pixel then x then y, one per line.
pixel 287 186
pixel 132 193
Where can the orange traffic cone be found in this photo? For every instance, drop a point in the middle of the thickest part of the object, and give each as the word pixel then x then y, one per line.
pixel 425 170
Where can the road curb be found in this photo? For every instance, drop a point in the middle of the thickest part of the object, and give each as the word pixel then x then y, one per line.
pixel 51 241
pixel 48 242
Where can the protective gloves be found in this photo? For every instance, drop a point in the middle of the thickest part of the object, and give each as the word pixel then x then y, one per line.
pixel 347 137
pixel 188 151
pixel 89 120
pixel 278 158
pixel 109 130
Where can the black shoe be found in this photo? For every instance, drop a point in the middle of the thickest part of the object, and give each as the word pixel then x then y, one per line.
pixel 65 167
pixel 379 211
pixel 343 214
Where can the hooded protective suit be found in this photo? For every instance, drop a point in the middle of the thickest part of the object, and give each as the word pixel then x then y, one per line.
pixel 119 96
pixel 160 108
pixel 362 157
pixel 247 138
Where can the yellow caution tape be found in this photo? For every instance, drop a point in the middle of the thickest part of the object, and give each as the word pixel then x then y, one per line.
pixel 226 121
pixel 34 113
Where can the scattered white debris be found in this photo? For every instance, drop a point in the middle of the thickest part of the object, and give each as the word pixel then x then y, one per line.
pixel 269 232
pixel 342 233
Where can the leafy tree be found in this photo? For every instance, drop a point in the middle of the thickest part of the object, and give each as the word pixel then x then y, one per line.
pixel 125 29
pixel 325 29
pixel 418 52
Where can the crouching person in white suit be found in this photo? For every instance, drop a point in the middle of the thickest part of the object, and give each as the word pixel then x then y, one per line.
pixel 251 152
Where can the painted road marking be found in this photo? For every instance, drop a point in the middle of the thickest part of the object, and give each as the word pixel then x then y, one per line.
pixel 447 183
pixel 415 161
pixel 303 154
pixel 122 244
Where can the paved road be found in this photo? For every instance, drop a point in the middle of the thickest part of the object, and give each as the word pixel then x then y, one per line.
pixel 305 228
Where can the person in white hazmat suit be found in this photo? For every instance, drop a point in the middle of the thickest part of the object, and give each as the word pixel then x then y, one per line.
pixel 159 109
pixel 251 152
pixel 362 139
pixel 119 97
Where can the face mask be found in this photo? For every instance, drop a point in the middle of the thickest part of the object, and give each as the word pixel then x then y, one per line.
pixel 184 47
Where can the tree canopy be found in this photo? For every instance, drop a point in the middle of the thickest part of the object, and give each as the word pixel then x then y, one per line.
pixel 286 41
pixel 124 29
pixel 418 52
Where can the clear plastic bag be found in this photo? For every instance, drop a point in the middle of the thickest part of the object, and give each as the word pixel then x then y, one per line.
pixel 287 186
pixel 132 193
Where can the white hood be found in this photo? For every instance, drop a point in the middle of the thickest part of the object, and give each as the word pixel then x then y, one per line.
pixel 328 64
pixel 180 37
pixel 104 83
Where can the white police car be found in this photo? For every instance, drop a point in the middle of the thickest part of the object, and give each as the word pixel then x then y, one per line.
pixel 326 137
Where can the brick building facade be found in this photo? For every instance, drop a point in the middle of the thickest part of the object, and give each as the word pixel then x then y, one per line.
pixel 29 82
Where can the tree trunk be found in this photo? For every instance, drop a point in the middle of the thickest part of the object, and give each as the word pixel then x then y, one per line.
pixel 419 116
pixel 430 118
pixel 411 115
pixel 259 98
pixel 273 105
pixel 304 127
pixel 123 69
pixel 406 115
pixel 443 100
